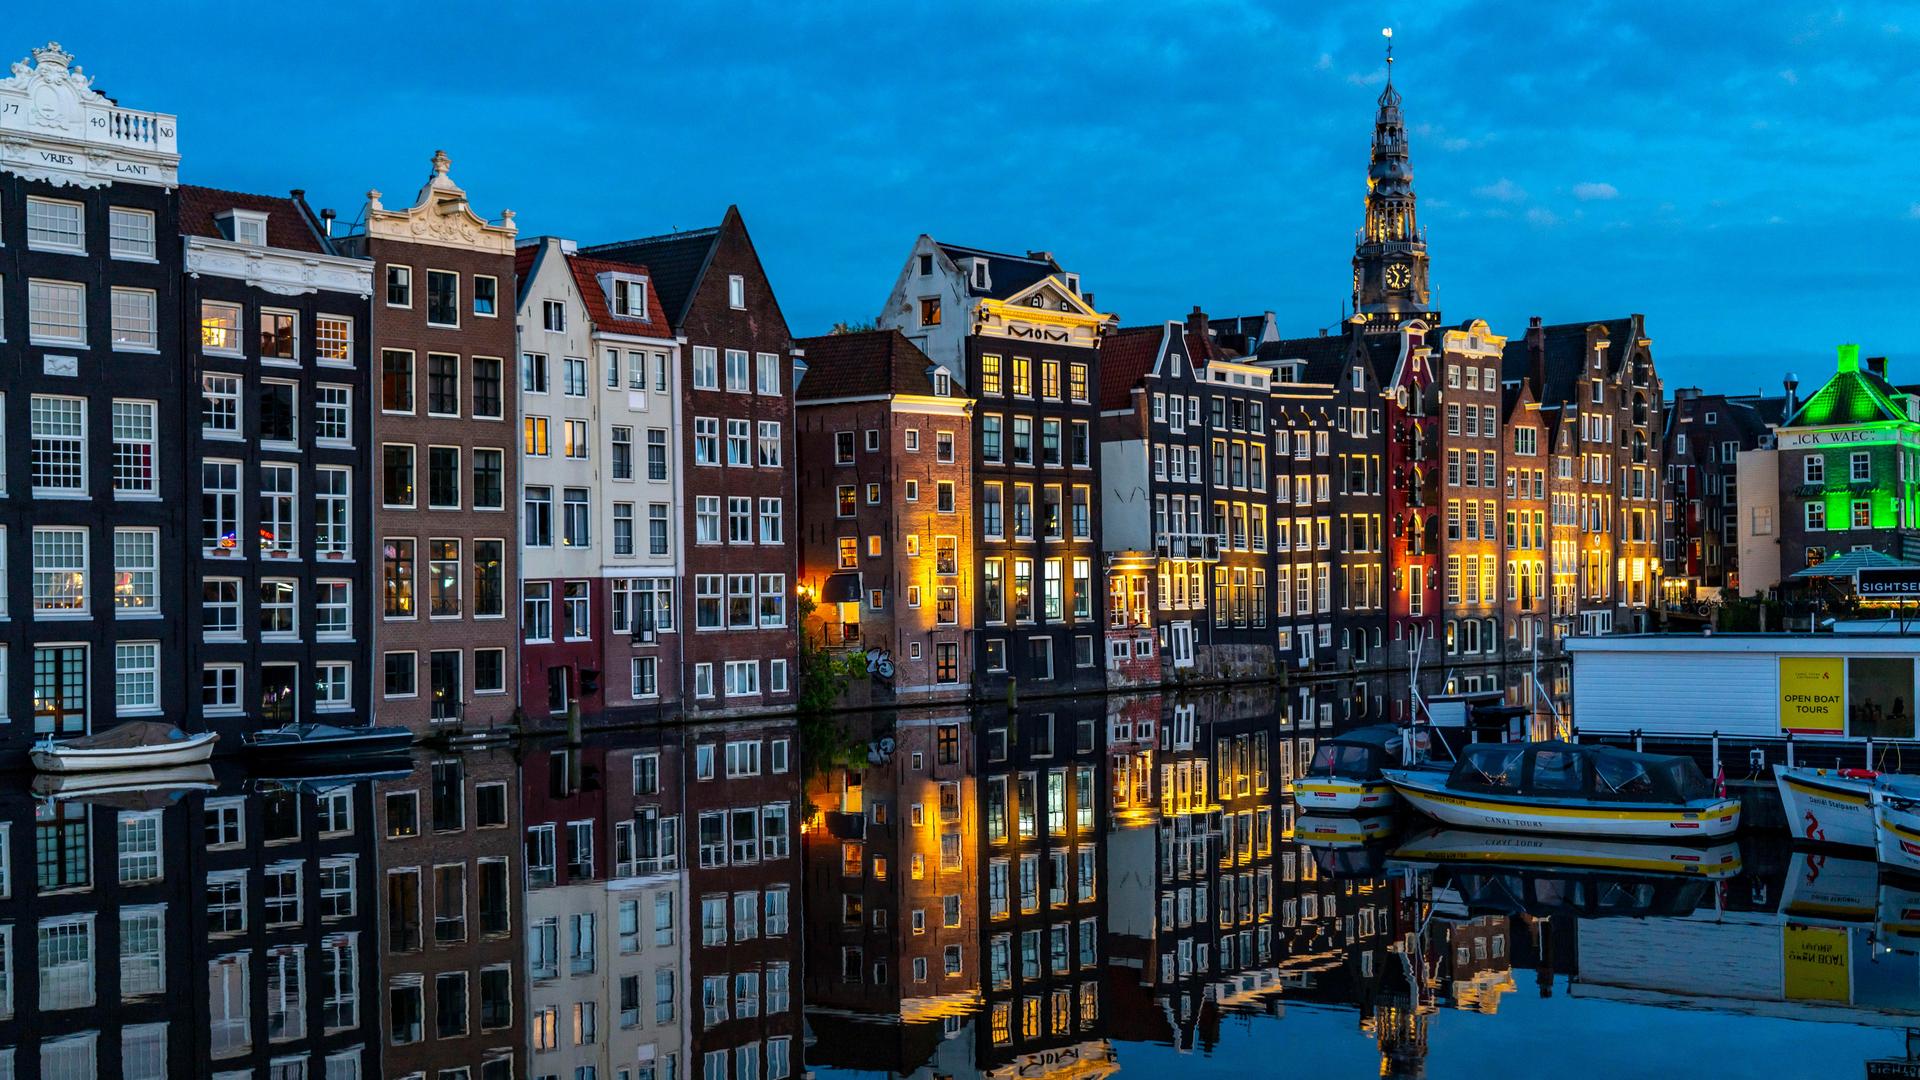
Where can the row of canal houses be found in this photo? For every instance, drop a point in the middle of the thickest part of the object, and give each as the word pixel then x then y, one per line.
pixel 450 475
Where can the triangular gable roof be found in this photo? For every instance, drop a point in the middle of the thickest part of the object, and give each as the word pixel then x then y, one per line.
pixel 870 363
pixel 1565 356
pixel 1055 293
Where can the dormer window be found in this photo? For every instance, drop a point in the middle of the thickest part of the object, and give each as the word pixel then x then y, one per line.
pixel 247 227
pixel 980 274
pixel 1073 283
pixel 942 383
pixel 630 297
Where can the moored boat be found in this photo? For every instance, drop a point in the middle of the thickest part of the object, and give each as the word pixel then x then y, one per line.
pixel 1345 774
pixel 1827 806
pixel 328 739
pixel 1896 823
pixel 127 789
pixel 1571 789
pixel 138 744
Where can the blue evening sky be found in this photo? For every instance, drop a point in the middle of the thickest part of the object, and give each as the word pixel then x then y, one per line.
pixel 1741 173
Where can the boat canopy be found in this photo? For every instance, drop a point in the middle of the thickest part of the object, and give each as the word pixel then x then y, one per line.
pixel 128 736
pixel 1359 754
pixel 1576 771
pixel 1587 896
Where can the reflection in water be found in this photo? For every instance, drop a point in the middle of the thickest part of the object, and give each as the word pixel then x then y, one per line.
pixel 1070 890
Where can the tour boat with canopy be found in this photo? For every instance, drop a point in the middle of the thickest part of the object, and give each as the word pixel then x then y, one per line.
pixel 1827 806
pixel 1896 822
pixel 1345 774
pixel 1572 789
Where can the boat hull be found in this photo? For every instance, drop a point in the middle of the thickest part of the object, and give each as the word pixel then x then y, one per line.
pixel 1823 807
pixel 190 751
pixel 1341 795
pixel 1896 833
pixel 1566 817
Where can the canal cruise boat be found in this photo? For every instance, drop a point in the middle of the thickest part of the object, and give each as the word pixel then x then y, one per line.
pixel 1827 806
pixel 1571 789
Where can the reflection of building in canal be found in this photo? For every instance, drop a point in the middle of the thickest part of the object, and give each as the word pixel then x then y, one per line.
pixel 892 897
pixel 1478 969
pixel 741 802
pixel 1190 867
pixel 606 909
pixel 450 946
pixel 151 934
pixel 1043 910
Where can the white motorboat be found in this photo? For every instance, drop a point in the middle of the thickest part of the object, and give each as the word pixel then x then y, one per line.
pixel 1827 806
pixel 1896 823
pixel 139 744
pixel 1344 776
pixel 1571 789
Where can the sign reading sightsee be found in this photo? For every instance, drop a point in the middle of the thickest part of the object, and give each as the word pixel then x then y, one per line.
pixel 1889 583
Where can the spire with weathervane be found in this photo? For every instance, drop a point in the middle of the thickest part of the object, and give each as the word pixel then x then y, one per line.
pixel 1390 256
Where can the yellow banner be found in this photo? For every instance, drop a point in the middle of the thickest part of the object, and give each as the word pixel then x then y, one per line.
pixel 1815 962
pixel 1813 695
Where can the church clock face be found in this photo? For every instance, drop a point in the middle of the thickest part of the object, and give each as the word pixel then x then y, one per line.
pixel 1398 276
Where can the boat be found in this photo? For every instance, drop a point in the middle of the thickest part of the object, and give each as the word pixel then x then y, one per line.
pixel 138 744
pixel 1345 773
pixel 1571 789
pixel 1896 822
pixel 329 739
pixel 1827 806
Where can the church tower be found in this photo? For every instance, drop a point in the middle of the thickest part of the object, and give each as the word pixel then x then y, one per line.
pixel 1390 255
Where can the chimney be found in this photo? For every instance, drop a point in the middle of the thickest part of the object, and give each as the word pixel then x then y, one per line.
pixel 1792 383
pixel 1089 299
pixel 1040 256
pixel 1537 357
pixel 326 220
pixel 1323 331
pixel 1533 322
pixel 1198 327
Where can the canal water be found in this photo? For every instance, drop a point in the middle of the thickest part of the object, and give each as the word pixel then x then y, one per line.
pixel 1073 889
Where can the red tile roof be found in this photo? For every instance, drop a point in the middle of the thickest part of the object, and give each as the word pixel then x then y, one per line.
pixel 586 274
pixel 288 225
pixel 1126 355
pixel 870 363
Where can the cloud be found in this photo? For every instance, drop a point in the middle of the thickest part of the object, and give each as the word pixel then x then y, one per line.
pixel 1913 211
pixel 1371 78
pixel 1542 216
pixel 1593 189
pixel 1502 189
pixel 1790 77
pixel 1324 63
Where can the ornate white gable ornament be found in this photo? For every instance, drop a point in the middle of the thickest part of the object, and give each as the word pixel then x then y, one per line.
pixel 440 215
pixel 54 126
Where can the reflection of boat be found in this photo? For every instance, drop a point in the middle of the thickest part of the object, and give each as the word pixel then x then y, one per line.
pixel 138 744
pixel 1345 773
pixel 1345 846
pixel 1829 888
pixel 1545 876
pixel 1462 847
pixel 307 739
pixel 1827 806
pixel 1572 789
pixel 127 789
pixel 1335 830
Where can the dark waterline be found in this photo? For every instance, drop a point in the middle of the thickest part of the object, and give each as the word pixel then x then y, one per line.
pixel 1070 890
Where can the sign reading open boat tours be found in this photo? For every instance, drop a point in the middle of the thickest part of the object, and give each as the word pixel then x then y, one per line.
pixel 1813 695
pixel 1814 962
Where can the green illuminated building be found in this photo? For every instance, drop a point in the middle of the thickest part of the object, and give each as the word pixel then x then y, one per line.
pixel 1849 467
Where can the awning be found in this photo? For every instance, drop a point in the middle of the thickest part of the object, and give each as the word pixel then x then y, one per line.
pixel 841 588
pixel 1847 564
